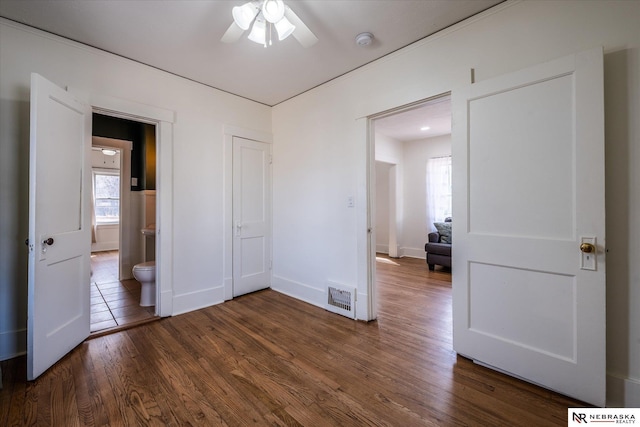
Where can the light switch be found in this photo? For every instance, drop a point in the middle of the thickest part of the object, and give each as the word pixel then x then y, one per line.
pixel 350 202
pixel 134 181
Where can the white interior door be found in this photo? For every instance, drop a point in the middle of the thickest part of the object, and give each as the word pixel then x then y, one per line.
pixel 528 162
pixel 59 225
pixel 251 216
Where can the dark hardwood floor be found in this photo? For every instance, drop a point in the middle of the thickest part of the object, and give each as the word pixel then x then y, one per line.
pixel 267 359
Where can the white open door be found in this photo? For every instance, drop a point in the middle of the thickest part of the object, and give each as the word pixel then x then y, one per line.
pixel 59 225
pixel 251 216
pixel 528 170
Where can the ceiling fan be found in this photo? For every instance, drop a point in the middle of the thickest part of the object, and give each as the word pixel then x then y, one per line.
pixel 268 17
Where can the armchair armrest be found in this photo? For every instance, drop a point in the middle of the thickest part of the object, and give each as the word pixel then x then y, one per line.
pixel 434 237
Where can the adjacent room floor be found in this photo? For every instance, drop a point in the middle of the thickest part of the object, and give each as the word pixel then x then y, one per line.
pixel 114 303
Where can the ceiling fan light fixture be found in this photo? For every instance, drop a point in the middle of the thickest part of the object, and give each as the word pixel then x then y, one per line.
pixel 284 28
pixel 273 10
pixel 245 14
pixel 262 19
pixel 258 31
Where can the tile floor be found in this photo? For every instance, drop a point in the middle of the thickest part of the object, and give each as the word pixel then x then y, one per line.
pixel 113 302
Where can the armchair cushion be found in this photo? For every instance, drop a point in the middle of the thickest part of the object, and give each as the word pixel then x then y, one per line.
pixel 444 230
pixel 443 249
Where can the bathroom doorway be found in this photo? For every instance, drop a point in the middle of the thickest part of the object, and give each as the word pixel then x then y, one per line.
pixel 124 203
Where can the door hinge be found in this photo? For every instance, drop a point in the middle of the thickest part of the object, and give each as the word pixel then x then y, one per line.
pixel 270 159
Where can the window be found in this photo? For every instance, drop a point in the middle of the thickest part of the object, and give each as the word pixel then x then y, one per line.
pixel 106 196
pixel 438 189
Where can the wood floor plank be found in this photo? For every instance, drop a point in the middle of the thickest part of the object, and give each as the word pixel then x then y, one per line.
pixel 268 359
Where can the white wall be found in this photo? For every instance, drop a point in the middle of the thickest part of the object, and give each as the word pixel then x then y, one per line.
pixel 201 114
pixel 416 154
pixel 320 150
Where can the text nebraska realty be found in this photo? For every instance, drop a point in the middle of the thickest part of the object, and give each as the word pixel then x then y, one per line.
pixel 612 418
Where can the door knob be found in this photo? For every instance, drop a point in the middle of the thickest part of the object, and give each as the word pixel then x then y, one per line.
pixel 587 248
pixel 48 241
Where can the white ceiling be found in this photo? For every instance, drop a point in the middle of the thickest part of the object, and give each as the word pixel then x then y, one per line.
pixel 408 125
pixel 183 37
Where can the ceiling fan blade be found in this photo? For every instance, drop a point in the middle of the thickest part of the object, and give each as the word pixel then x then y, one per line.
pixel 302 33
pixel 232 34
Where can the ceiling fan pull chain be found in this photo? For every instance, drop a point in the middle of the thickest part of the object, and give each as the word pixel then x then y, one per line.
pixel 266 31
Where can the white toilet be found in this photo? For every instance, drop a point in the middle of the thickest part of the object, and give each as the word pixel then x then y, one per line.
pixel 145 273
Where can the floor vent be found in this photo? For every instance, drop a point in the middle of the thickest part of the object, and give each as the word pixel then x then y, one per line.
pixel 341 300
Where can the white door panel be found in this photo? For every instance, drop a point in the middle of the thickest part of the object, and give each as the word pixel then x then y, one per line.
pixel 251 216
pixel 528 153
pixel 59 233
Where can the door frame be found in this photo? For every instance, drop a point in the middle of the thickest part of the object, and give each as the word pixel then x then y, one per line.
pixel 163 120
pixel 230 132
pixel 393 249
pixel 370 195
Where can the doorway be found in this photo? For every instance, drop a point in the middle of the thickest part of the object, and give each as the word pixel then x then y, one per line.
pixel 403 140
pixel 120 212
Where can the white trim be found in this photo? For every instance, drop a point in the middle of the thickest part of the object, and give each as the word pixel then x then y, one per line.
pixel 622 392
pixel 164 218
pixel 414 252
pixel 382 248
pixel 366 304
pixel 12 344
pixel 254 135
pixel 301 291
pixel 191 301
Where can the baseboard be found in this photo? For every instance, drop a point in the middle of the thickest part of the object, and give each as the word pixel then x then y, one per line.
pixel 362 306
pixel 13 343
pixel 382 249
pixel 104 246
pixel 414 253
pixel 166 303
pixel 228 288
pixel 196 300
pixel 622 392
pixel 299 291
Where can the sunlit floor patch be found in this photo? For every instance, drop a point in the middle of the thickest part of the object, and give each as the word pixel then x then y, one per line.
pixel 386 260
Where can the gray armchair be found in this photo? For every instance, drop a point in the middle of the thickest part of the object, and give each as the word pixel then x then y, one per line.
pixel 438 252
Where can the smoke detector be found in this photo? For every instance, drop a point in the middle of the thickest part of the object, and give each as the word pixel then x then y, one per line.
pixel 364 39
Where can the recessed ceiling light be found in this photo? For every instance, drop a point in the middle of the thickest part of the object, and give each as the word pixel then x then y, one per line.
pixel 425 128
